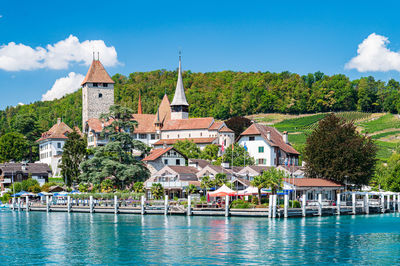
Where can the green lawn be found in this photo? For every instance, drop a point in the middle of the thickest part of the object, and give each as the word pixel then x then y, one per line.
pixel 299 124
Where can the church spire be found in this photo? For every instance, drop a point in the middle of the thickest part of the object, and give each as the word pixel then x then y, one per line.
pixel 139 109
pixel 179 97
pixel 179 105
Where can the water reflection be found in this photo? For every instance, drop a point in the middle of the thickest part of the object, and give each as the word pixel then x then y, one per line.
pixel 61 238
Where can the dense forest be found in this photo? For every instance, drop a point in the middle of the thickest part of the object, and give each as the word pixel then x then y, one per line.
pixel 226 94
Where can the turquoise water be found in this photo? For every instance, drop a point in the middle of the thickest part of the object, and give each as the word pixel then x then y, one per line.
pixel 61 238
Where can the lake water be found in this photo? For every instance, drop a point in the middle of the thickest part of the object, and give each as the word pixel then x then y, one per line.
pixel 62 238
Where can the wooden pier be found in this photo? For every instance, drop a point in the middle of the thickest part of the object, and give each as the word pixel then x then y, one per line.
pixel 385 205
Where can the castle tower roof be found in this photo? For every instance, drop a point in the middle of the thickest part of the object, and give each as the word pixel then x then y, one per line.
pixel 97 74
pixel 179 97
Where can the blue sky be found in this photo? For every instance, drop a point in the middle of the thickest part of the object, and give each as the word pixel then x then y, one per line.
pixel 213 36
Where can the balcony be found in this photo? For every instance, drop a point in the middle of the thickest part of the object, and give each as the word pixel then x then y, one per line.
pixel 172 184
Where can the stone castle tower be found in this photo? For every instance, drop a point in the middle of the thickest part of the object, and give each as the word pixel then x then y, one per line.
pixel 97 92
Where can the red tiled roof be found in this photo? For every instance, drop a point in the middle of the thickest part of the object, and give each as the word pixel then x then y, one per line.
pixel 191 123
pixel 311 182
pixel 58 131
pixel 276 137
pixel 183 169
pixel 216 125
pixel 156 153
pixel 145 123
pixel 97 74
pixel 226 129
pixel 195 140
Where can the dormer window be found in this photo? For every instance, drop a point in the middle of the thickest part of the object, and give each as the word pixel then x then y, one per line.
pixel 95 84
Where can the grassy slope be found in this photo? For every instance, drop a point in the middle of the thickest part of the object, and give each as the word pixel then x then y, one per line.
pixel 382 128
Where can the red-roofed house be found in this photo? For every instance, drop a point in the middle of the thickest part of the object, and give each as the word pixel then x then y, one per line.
pixel 268 146
pixel 158 158
pixel 51 145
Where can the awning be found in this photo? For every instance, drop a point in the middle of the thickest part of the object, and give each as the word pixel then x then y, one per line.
pixel 222 191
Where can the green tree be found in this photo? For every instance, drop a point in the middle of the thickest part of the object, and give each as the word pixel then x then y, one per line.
pixel 272 179
pixel 240 156
pixel 188 148
pixel 138 187
pixel 219 180
pixel 210 152
pixel 29 183
pixel 27 125
pixel 13 147
pixel 191 189
pixel 206 183
pixel 336 151
pixel 74 152
pixel 238 124
pixel 115 159
pixel 157 190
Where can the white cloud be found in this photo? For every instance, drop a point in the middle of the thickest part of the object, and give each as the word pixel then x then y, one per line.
pixel 16 57
pixel 63 86
pixel 21 103
pixel 373 55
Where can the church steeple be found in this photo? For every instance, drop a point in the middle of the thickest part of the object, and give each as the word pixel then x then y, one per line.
pixel 179 105
pixel 139 109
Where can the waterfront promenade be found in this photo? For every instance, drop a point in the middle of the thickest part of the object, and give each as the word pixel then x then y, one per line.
pixel 355 203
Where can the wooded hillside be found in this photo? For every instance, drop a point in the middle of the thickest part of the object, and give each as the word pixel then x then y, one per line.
pixel 227 93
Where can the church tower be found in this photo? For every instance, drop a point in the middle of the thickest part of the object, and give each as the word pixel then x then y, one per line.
pixel 179 105
pixel 97 92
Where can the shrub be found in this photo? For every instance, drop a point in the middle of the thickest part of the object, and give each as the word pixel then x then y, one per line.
pixel 296 204
pixel 5 198
pixel 16 188
pixel 107 186
pixel 46 186
pixel 83 187
pixel 242 204
pixel 29 183
pixel 34 188
pixel 254 200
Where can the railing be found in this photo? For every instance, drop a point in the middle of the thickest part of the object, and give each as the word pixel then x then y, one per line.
pixel 167 184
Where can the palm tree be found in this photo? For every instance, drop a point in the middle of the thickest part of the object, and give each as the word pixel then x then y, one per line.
pixel 157 190
pixel 138 187
pixel 269 179
pixel 220 179
pixel 191 189
pixel 205 183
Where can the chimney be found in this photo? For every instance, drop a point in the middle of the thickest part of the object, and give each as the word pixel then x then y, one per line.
pixel 269 135
pixel 58 121
pixel 285 137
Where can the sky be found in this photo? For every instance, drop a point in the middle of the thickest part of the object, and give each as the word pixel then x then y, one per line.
pixel 46 46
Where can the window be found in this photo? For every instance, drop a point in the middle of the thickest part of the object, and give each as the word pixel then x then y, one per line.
pixel 100 95
pixel 142 136
pixel 189 135
pixel 105 85
pixel 178 162
pixel 261 161
pixel 178 136
pixel 261 149
pixel 95 85
pixel 59 145
pixel 153 136
pixel 252 138
pixel 201 134
pixel 166 162
pixel 167 136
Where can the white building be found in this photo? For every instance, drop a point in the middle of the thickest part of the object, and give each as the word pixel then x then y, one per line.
pixel 51 145
pixel 268 146
pixel 158 158
pixel 170 124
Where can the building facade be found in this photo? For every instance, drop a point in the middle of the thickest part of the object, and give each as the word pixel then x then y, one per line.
pixel 158 158
pixel 268 146
pixel 51 146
